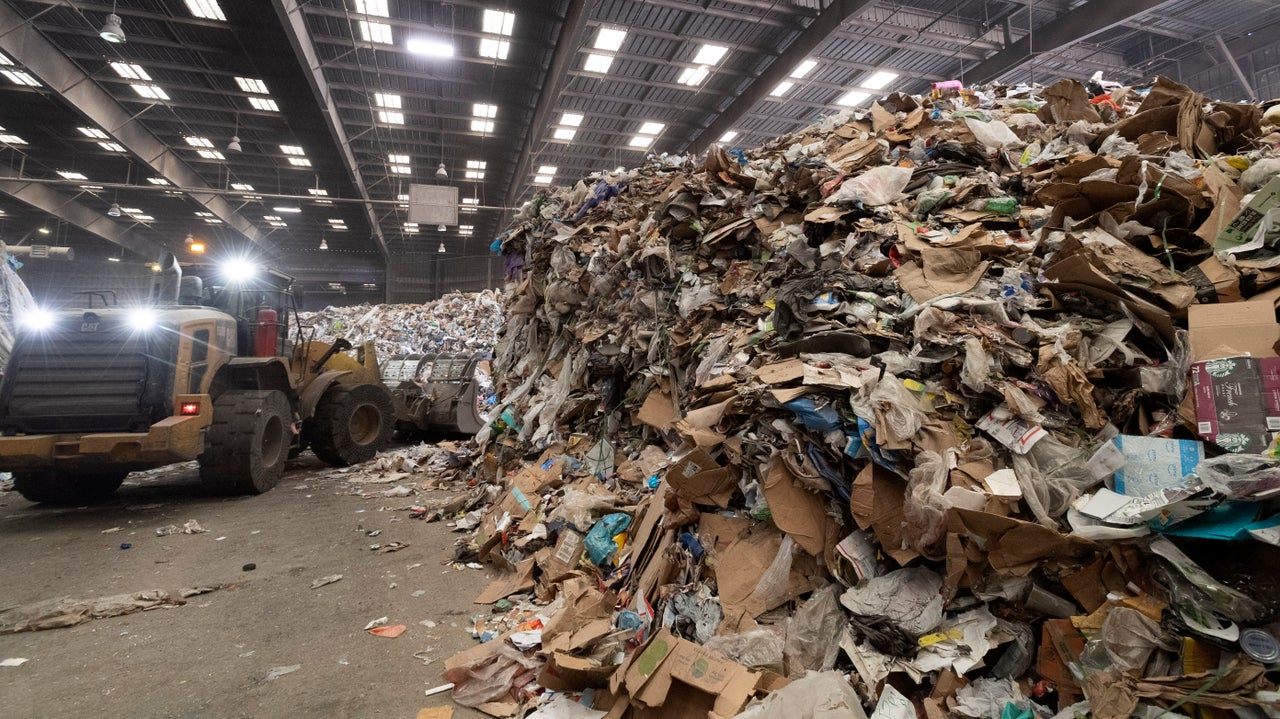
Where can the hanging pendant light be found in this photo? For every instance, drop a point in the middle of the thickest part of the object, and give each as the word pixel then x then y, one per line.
pixel 324 244
pixel 441 173
pixel 114 210
pixel 112 31
pixel 441 228
pixel 441 249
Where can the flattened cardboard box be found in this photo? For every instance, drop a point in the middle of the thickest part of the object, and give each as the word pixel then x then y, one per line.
pixel 1237 401
pixel 707 685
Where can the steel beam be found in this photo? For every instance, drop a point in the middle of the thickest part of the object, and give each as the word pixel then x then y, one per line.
pixel 295 25
pixel 65 208
pixel 1235 67
pixel 1067 29
pixel 567 43
pixel 21 41
pixel 826 23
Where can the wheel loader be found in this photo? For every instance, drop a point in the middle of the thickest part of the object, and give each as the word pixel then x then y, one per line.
pixel 447 392
pixel 214 367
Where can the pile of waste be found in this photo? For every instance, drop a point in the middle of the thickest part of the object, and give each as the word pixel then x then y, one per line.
pixel 459 322
pixel 955 406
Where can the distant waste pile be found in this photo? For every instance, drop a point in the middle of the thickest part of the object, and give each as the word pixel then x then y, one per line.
pixel 955 406
pixel 458 322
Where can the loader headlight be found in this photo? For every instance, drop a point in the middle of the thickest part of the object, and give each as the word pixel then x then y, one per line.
pixel 142 319
pixel 37 319
pixel 238 270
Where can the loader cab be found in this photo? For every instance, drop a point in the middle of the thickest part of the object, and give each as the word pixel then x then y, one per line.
pixel 262 303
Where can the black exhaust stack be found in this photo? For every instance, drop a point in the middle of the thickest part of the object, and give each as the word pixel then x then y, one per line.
pixel 168 281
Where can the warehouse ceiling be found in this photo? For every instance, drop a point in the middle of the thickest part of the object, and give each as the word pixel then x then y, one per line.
pixel 339 105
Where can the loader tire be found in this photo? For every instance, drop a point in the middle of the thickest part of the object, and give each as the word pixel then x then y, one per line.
pixel 247 444
pixel 352 424
pixel 67 488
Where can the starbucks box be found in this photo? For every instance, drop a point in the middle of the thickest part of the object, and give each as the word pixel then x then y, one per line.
pixel 1237 401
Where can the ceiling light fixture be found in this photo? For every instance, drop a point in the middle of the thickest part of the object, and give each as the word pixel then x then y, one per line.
pixel 441 249
pixel 111 29
pixel 441 228
pixel 324 245
pixel 114 210
pixel 287 208
pixel 441 173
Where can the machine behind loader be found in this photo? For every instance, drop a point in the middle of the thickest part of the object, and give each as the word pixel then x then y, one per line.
pixel 224 374
pixel 440 392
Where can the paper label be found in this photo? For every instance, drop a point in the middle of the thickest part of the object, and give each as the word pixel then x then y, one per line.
pixel 1155 463
pixel 1017 434
pixel 893 705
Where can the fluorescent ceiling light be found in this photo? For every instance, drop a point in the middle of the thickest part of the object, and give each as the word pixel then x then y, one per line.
pixel 485 126
pixel 317 192
pixel 598 63
pixel 497 49
pixel 151 92
pixel 542 179
pixel 410 225
pixel 880 79
pixel 337 221
pixel 206 9
pixel 475 165
pixel 299 162
pixel 198 141
pixel 4 59
pixel 547 170
pixel 398 159
pixel 12 140
pixel 402 198
pixel 19 77
pixel 692 76
pixel 498 22
pixel 158 181
pixel 292 150
pixel 390 117
pixel 144 218
pixel 709 54
pixel 475 174
pixel 467 209
pixel 204 214
pixel 372 7
pixel 804 68
pixel 210 154
pixel 394 102
pixel 212 221
pixel 287 209
pixel 571 119
pixel 563 133
pixel 401 169
pixel 466 227
pixel 264 103
pixel 93 132
pixel 243 186
pixel 481 109
pixel 272 217
pixel 641 142
pixel 851 98
pixel 609 39
pixel 651 128
pixel 68 174
pixel 378 32
pixel 131 211
pixel 429 48
pixel 111 146
pixel 471 200
pixel 249 84
pixel 276 223
pixel 781 88
pixel 729 136
pixel 130 71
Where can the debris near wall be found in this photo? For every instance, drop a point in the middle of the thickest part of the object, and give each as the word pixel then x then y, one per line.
pixel 459 322
pixel 956 406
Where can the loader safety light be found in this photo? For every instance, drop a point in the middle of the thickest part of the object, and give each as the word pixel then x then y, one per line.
pixel 239 270
pixel 189 409
pixel 142 319
pixel 37 319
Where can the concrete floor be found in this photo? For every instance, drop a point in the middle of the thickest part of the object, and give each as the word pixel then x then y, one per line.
pixel 211 657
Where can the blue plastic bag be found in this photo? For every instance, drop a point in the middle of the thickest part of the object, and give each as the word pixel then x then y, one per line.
pixel 600 546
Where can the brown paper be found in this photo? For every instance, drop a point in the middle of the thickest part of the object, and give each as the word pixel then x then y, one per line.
pixel 876 502
pixel 1225 330
pixel 780 372
pixel 799 513
pixel 1013 546
pixel 510 583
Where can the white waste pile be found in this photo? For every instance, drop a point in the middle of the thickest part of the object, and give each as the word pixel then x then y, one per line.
pixel 458 322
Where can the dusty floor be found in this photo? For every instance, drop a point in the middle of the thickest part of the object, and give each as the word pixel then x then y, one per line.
pixel 211 657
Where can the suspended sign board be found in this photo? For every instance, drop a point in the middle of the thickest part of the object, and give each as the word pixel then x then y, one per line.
pixel 433 204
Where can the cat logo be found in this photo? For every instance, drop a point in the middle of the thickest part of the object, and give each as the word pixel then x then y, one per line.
pixel 90 323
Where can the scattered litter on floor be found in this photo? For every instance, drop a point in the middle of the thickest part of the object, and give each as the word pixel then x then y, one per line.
pixel 191 527
pixel 389 632
pixel 13 662
pixel 323 581
pixel 277 672
pixel 68 611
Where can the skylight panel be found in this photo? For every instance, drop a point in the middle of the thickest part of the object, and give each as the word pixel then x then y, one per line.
pixel 382 99
pixel 498 22
pixel 710 54
pixel 781 88
pixel 693 75
pixel 210 154
pixel 851 98
pixel 249 84
pixel 564 134
pixel 292 150
pixel 598 63
pixel 18 77
pixel 398 159
pixel 804 68
pixel 198 141
pixel 242 186
pixel 207 9
pixel 609 39
pixel 880 79
pixel 151 92
pixel 93 132
pixel 484 126
pixel 391 117
pixel 378 32
pixel 71 175
pixel 111 146
pixel 130 71
pixel 372 7
pixel 299 162
pixel 264 103
pixel 651 128
pixel 494 48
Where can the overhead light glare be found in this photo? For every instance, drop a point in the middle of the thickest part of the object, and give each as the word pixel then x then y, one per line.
pixel 242 186
pixel 547 170
pixel 851 98
pixel 317 192
pixel 481 109
pixel 401 169
pixel 693 76
pixel 429 48
pixel 781 88
pixel 598 63
pixel 710 54
pixel 111 146
pixel 390 117
pixel 563 133
pixel 474 165
pixel 157 181
pixel 651 128
pixel 640 142
pixel 571 119
pixel 93 132
pixel 12 140
pixel 804 68
pixel 494 48
pixel 372 7
pixel 482 126
pixel 398 159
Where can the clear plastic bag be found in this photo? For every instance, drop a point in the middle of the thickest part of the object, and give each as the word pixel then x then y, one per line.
pixel 1250 477
pixel 756 649
pixel 977 365
pixel 1052 476
pixel 491 678
pixel 810 631
pixel 898 406
pixel 773 583
pixel 926 508
pixel 579 508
